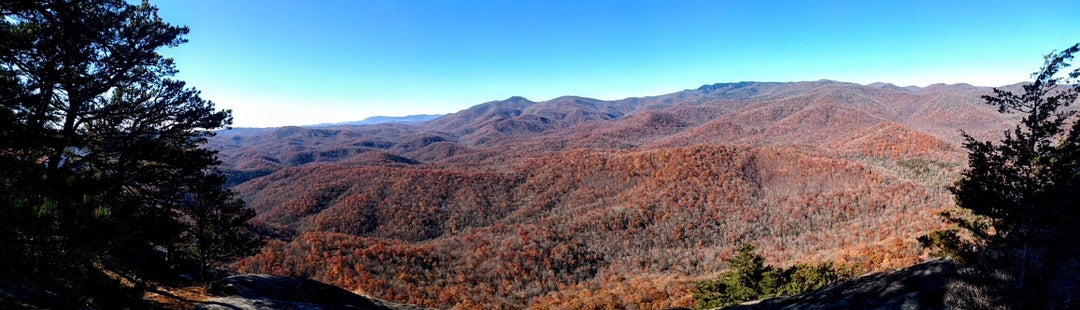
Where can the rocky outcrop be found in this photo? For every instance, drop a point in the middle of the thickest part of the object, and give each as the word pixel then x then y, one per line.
pixel 260 291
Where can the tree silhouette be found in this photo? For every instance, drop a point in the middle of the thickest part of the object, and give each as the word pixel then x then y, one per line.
pixel 98 145
pixel 1018 198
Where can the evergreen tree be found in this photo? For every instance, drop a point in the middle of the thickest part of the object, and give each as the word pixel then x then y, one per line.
pixel 218 225
pixel 749 278
pixel 1018 197
pixel 98 145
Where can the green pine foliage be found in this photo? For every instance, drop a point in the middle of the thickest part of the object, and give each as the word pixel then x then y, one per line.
pixel 1016 226
pixel 101 150
pixel 748 278
pixel 218 229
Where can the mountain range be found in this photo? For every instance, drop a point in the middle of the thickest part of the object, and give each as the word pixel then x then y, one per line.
pixel 576 202
pixel 408 119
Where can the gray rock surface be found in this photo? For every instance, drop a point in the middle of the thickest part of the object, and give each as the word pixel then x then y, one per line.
pixel 260 291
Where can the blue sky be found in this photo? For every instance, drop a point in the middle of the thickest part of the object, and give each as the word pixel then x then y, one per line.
pixel 300 62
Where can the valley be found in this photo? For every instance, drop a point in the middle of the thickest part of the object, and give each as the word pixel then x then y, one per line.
pixel 588 204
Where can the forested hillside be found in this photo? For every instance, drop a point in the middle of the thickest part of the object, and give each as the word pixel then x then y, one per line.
pixel 583 203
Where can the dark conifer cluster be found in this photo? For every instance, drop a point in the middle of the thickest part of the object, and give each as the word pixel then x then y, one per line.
pixel 749 278
pixel 101 153
pixel 1016 230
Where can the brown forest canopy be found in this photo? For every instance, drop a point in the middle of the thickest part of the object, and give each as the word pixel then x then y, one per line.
pixel 576 202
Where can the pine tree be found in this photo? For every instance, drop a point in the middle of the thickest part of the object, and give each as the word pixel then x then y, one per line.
pixel 99 146
pixel 218 226
pixel 749 278
pixel 1018 199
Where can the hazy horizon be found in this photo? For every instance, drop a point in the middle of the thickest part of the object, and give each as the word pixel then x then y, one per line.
pixel 287 63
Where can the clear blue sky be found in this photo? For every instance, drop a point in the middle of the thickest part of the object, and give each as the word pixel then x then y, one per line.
pixel 304 62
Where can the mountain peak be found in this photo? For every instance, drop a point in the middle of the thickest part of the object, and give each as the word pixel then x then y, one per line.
pixel 518 99
pixel 724 86
pixel 881 84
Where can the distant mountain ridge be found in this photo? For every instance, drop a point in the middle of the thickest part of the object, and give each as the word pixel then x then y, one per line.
pixel 821 113
pixel 408 119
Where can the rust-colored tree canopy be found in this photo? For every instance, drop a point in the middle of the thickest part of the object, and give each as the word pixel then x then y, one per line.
pixel 582 203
